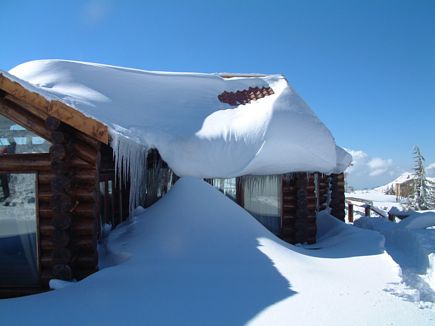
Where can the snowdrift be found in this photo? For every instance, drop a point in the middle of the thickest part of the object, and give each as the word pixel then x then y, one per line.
pixel 180 115
pixel 196 258
pixel 418 220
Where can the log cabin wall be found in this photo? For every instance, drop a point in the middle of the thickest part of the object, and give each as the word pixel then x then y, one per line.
pixel 323 191
pixel 299 205
pixel 67 184
pixel 337 202
pixel 289 208
pixel 68 206
pixel 311 196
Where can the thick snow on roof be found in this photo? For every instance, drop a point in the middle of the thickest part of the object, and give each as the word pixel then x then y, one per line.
pixel 180 115
pixel 203 260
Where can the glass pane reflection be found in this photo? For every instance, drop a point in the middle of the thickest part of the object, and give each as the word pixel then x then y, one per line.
pixel 18 253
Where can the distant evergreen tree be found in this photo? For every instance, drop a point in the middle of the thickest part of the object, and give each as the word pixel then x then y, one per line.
pixel 422 196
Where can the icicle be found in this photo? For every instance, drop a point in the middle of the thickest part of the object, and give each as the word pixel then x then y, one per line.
pixel 130 165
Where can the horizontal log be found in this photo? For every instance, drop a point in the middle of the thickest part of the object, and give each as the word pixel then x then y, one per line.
pixel 85 152
pixel 78 164
pixel 81 211
pixel 47 261
pixel 87 194
pixel 288 224
pixel 60 183
pixel 61 202
pixel 80 228
pixel 84 139
pixel 60 238
pixel 60 256
pixel 288 232
pixel 25 162
pixel 45 177
pixel 60 166
pixel 83 176
pixel 81 243
pixel 60 221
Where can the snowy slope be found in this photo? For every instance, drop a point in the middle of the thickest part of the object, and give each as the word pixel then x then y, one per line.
pixel 402 178
pixel 202 260
pixel 181 116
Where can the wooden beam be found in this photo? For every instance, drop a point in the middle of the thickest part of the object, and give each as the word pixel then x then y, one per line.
pixel 32 109
pixel 78 120
pixel 40 106
pixel 24 163
pixel 22 93
pixel 22 117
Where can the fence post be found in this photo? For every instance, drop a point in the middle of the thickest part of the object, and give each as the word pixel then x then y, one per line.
pixel 350 212
pixel 367 210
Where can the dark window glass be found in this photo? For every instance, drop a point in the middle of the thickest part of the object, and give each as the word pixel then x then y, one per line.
pixel 227 186
pixel 18 253
pixel 262 197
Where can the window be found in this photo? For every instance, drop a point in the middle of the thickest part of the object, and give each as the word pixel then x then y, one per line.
pixel 226 186
pixel 18 253
pixel 16 139
pixel 262 197
pixel 18 218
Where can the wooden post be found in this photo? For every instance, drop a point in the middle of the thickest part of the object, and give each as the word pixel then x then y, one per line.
pixel 350 212
pixel 367 210
pixel 391 217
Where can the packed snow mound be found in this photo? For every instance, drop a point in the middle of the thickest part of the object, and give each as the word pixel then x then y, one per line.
pixel 419 221
pixel 197 258
pixel 180 115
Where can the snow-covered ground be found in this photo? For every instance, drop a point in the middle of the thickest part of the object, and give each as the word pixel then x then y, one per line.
pixel 196 258
pixel 406 176
pixel 411 243
pixel 377 199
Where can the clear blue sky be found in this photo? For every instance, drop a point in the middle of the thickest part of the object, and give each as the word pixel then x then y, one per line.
pixel 367 68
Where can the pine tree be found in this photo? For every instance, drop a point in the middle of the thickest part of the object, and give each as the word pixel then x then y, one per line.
pixel 422 196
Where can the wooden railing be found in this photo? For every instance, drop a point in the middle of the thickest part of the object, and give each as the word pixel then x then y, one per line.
pixel 368 207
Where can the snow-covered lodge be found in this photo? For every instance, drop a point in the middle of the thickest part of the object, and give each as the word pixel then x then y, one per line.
pixel 83 144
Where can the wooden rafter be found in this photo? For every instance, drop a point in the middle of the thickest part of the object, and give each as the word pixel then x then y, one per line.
pixel 68 115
